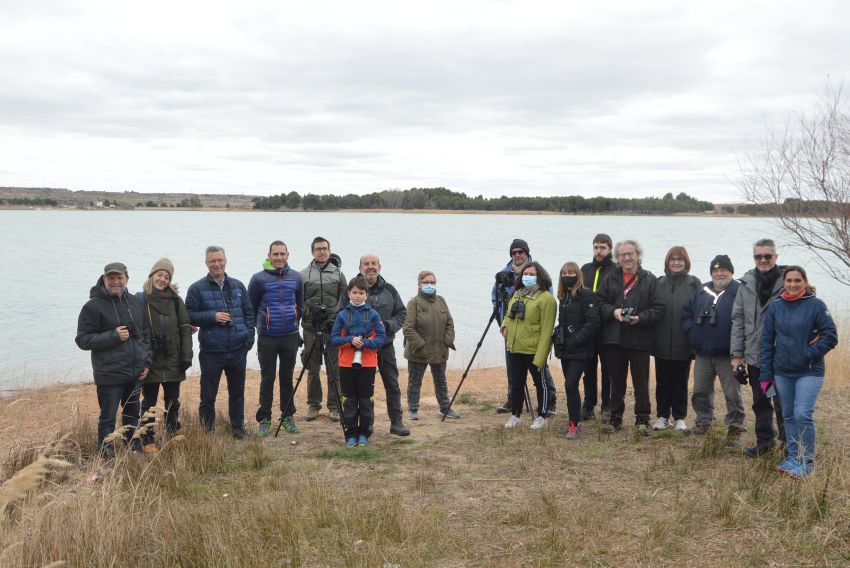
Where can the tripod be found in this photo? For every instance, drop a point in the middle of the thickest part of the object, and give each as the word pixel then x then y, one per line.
pixel 502 300
pixel 322 328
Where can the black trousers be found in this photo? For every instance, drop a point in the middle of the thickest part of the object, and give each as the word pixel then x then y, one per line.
pixel 620 360
pixel 358 406
pixel 671 388
pixel 573 368
pixel 519 365
pixel 232 364
pixel 389 376
pixel 109 398
pixel 590 374
pixel 765 409
pixel 171 394
pixel 269 350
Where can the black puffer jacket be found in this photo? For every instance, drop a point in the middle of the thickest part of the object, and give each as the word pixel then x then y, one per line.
pixel 674 289
pixel 578 324
pixel 642 298
pixel 113 361
pixel 384 299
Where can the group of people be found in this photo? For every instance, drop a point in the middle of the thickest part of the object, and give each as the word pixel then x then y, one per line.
pixel 605 320
pixel 139 342
pixel 767 329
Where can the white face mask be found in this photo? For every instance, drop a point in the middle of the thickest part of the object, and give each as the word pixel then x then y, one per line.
pixel 358 304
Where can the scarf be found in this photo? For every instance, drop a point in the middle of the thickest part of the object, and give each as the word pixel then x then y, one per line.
pixel 161 301
pixel 765 282
pixel 793 297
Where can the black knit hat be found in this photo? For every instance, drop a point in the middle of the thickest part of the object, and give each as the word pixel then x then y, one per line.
pixel 519 244
pixel 721 261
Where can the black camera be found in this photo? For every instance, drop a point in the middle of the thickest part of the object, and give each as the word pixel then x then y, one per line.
pixel 229 322
pixel 741 374
pixel 506 279
pixel 628 314
pixel 161 344
pixel 517 311
pixel 319 313
pixel 710 312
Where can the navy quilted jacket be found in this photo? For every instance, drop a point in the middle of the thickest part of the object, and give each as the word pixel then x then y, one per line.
pixel 277 296
pixel 205 298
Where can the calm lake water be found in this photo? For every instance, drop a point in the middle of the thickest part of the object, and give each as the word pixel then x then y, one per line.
pixel 50 259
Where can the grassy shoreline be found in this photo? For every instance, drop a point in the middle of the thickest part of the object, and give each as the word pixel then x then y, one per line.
pixel 460 493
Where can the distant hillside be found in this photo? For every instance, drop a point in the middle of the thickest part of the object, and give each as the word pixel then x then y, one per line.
pixel 39 196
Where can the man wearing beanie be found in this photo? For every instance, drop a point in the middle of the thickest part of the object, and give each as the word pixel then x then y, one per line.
pixel 707 321
pixel 759 287
pixel 113 327
pixel 520 255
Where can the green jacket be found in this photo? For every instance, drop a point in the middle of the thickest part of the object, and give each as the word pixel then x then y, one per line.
pixel 531 335
pixel 429 331
pixel 171 338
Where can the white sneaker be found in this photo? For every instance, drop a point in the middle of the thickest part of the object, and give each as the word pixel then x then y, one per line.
pixel 538 423
pixel 512 422
pixel 661 424
pixel 681 426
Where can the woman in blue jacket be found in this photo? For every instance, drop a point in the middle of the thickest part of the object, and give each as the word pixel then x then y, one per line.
pixel 798 331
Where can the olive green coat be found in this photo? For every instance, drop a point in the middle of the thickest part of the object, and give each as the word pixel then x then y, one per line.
pixel 174 330
pixel 429 331
pixel 531 335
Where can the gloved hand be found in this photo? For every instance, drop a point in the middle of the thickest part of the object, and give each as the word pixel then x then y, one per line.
pixel 766 385
pixel 184 365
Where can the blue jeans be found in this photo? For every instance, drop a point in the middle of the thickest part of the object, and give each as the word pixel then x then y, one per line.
pixel 109 398
pixel 798 395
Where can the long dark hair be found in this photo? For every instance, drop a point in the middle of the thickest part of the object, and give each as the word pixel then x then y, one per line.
pixel 544 281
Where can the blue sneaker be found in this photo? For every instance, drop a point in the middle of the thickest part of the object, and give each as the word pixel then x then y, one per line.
pixel 351 442
pixel 786 465
pixel 801 469
pixel 363 440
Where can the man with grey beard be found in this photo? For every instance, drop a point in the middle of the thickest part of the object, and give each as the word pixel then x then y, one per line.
pixel 707 321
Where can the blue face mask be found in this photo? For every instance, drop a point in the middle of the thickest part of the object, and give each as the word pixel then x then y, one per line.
pixel 529 281
pixel 429 289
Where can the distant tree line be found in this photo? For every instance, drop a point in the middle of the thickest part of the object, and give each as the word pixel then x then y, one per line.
pixel 45 201
pixel 441 198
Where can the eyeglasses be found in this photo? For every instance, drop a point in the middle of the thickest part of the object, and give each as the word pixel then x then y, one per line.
pixel 321 249
pixel 677 260
pixel 627 254
pixel 428 282
pixel 759 257
pixel 517 251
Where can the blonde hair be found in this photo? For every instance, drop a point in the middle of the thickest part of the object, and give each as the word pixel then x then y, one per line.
pixel 575 269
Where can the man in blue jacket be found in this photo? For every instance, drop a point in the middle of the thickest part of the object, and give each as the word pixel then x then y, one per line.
pixel 277 296
pixel 707 321
pixel 219 306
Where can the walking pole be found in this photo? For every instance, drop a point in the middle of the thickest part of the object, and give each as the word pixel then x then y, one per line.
pixel 298 382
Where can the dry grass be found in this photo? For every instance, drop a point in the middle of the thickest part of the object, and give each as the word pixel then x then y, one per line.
pixel 460 493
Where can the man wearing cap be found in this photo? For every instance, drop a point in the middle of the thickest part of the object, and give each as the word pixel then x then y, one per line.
pixel 501 293
pixel 218 304
pixel 113 327
pixel 594 273
pixel 759 287
pixel 324 285
pixel 707 321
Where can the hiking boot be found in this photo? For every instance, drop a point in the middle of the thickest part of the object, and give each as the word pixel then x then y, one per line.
pixel 662 424
pixel 606 417
pixel 573 431
pixel 643 430
pixel 538 423
pixel 264 428
pixel 288 424
pixel 333 415
pixel 505 408
pixel 701 429
pixel 733 438
pixel 312 414
pixel 800 469
pixel 681 426
pixel 150 449
pixel 351 442
pixel 512 422
pixel 758 451
pixel 588 414
pixel 362 440
pixel 413 415
pixel 606 429
pixel 551 412
pixel 239 433
pixel 450 414
pixel 399 429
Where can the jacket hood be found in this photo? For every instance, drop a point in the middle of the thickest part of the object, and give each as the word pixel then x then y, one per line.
pixel 99 291
pixel 269 267
pixel 607 261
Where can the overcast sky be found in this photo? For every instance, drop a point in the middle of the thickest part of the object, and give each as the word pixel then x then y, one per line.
pixel 493 98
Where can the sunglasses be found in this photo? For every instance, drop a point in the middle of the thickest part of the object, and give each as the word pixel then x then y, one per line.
pixel 767 257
